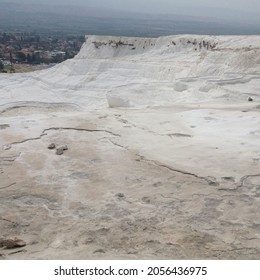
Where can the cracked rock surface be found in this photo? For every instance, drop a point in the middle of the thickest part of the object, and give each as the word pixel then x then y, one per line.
pixel 163 158
pixel 127 189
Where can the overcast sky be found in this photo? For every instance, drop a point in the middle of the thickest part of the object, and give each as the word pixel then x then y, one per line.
pixel 244 9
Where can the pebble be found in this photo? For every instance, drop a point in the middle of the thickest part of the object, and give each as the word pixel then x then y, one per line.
pixel 59 151
pixel 51 146
pixel 64 147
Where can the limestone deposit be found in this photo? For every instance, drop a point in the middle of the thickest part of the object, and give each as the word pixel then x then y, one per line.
pixel 160 151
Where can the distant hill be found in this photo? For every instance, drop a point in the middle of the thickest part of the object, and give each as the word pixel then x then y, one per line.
pixel 67 20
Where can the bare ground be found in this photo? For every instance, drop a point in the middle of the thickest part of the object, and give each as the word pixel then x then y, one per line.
pixel 103 199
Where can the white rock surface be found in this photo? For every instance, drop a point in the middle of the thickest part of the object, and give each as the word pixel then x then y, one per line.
pixel 117 101
pixel 163 156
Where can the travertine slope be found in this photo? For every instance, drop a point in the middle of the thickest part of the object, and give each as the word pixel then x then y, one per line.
pixel 163 151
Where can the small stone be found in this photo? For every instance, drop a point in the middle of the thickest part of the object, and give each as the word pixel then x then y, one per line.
pixel 59 151
pixel 51 146
pixel 11 243
pixel 64 147
pixel 88 241
pixel 146 199
pixel 99 251
pixel 250 99
pixel 4 126
pixel 120 195
pixel 132 252
pixel 7 147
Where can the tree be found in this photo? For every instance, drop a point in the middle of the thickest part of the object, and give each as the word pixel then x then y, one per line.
pixel 21 56
pixel 29 58
pixel 1 66
pixel 57 58
pixel 36 58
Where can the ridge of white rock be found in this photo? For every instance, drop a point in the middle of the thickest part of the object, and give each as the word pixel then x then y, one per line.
pixel 147 71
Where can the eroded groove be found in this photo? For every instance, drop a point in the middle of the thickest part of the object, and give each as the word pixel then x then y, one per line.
pixel 242 180
pixel 118 145
pixel 63 128
pixel 8 186
pixel 27 140
pixel 19 251
pixel 80 129
pixel 9 159
pixel 210 180
pixel 6 220
pixel 241 184
pixel 236 249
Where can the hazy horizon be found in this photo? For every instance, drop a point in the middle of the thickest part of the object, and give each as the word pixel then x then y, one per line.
pixel 239 10
pixel 128 18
